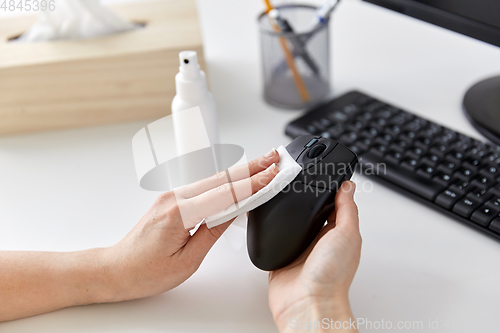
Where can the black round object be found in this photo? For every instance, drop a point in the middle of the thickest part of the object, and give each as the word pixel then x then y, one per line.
pixel 482 107
pixel 316 150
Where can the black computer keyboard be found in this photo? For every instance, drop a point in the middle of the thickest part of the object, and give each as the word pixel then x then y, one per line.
pixel 447 170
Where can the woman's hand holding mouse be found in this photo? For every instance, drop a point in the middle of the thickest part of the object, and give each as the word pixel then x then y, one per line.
pixel 315 287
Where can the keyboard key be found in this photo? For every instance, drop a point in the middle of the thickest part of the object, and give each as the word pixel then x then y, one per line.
pixel 474 162
pixel 421 121
pixel 404 138
pixel 476 153
pixel 432 130
pixel 325 122
pixel 448 167
pixel 384 113
pixel 490 171
pixel 409 164
pixel 456 156
pixel 375 125
pixel 479 194
pixel 394 157
pixel 426 171
pixel 319 126
pixel 494 148
pixel 470 166
pixel 443 179
pixel 464 138
pixel 338 116
pixel 496 163
pixel 350 109
pixel 366 116
pixel 495 225
pixel 439 150
pixel 484 215
pixel 411 135
pixel 447 199
pixel 373 106
pixel 494 203
pixel 400 145
pixel 387 137
pixel 326 135
pixel 466 206
pixel 462 188
pixel 443 139
pixel 381 141
pixel 495 190
pixel 363 100
pixel 398 119
pixel 379 150
pixel 394 109
pixel 490 158
pixel 312 129
pixel 381 122
pixel 407 138
pixel 356 149
pixel 370 132
pixel 483 182
pixel 423 143
pixel 334 131
pixel 348 138
pixel 461 146
pixel 415 153
pixel 356 126
pixel 450 132
pixel 413 126
pixel 431 159
pixel 464 174
pixel 394 130
pixel 367 141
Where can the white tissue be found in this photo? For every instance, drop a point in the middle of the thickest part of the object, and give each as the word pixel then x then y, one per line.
pixel 288 170
pixel 75 19
pixel 236 232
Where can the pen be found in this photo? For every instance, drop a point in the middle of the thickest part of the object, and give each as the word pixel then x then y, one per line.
pixel 323 13
pixel 301 87
pixel 297 43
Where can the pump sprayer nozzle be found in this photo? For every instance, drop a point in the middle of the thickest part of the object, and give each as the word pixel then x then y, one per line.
pixel 189 66
pixel 191 91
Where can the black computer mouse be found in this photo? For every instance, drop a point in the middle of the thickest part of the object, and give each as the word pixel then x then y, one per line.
pixel 282 228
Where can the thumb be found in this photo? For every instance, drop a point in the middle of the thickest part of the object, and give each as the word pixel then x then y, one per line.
pixel 203 239
pixel 346 211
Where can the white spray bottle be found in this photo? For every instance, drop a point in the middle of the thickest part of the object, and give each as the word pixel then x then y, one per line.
pixel 191 88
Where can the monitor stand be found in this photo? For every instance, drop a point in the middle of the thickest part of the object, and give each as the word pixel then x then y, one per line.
pixel 482 108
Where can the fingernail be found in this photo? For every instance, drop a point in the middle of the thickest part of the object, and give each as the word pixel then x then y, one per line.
pixel 270 153
pixel 352 187
pixel 273 167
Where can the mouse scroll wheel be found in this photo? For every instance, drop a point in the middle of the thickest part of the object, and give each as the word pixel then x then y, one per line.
pixel 316 150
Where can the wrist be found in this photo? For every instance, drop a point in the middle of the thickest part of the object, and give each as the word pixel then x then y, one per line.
pixel 96 274
pixel 318 315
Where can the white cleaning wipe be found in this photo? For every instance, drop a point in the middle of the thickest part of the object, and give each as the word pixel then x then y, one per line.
pixel 288 170
pixel 74 19
pixel 236 233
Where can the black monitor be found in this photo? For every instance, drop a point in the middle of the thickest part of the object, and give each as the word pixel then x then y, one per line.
pixel 479 19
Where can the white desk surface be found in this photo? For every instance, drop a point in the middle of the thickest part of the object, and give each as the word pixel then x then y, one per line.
pixel 76 189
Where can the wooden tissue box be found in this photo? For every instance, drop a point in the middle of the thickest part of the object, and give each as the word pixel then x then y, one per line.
pixel 121 77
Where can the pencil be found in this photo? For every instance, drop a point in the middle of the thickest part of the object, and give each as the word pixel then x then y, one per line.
pixel 301 87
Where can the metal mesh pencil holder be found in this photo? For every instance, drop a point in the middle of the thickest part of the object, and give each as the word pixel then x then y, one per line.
pixel 296 67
